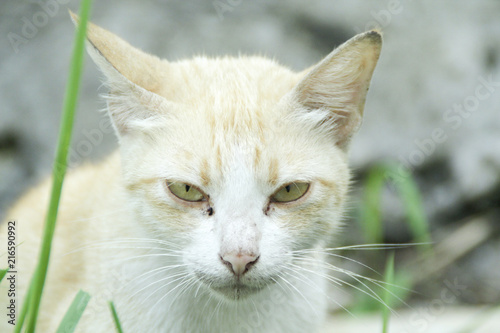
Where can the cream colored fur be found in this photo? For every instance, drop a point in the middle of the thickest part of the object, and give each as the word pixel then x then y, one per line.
pixel 236 128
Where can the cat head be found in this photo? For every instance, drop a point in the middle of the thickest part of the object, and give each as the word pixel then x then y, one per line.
pixel 241 161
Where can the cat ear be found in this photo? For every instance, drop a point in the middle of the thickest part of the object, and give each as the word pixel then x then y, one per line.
pixel 336 87
pixel 132 76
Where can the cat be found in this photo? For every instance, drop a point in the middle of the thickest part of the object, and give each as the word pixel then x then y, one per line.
pixel 230 177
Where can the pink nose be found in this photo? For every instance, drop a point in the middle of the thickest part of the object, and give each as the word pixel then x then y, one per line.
pixel 239 263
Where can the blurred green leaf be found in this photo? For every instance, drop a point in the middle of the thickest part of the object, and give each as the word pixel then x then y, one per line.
pixel 74 313
pixel 371 215
pixel 371 222
pixel 415 213
pixel 371 219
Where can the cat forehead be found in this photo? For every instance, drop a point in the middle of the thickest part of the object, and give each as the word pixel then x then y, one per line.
pixel 233 144
pixel 227 100
pixel 226 81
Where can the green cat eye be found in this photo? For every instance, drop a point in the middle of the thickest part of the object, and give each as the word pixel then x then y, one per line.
pixel 290 192
pixel 185 191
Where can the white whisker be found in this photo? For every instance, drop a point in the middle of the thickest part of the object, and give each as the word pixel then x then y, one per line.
pixel 379 283
pixel 299 292
pixel 111 213
pixel 155 272
pixel 341 257
pixel 185 279
pixel 155 282
pixel 190 282
pixel 358 278
pixel 313 285
pixel 104 244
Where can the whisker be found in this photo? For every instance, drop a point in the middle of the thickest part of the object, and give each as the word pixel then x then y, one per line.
pixel 155 282
pixel 111 213
pixel 198 289
pixel 315 286
pixel 373 246
pixel 155 271
pixel 190 282
pixel 299 292
pixel 187 279
pixel 218 307
pixel 256 310
pixel 209 299
pixel 158 289
pixel 105 243
pixel 329 266
pixel 358 278
pixel 278 283
pixel 345 258
pixel 121 260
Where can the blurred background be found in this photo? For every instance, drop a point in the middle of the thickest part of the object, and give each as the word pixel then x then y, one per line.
pixel 426 160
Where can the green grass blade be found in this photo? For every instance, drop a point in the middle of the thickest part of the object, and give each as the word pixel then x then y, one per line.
pixel 59 169
pixel 25 308
pixel 415 213
pixel 414 210
pixel 388 296
pixel 115 317
pixel 74 313
pixel 371 219
pixel 3 272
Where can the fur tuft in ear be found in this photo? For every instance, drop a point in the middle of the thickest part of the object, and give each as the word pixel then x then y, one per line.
pixel 339 84
pixel 134 78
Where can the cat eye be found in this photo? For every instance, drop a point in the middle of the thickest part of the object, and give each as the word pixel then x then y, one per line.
pixel 290 192
pixel 185 191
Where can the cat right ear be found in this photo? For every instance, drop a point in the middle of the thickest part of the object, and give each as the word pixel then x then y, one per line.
pixel 333 92
pixel 132 76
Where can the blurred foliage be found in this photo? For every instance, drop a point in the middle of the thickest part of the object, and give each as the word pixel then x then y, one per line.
pixel 397 284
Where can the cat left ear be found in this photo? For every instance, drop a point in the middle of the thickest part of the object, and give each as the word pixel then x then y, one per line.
pixel 337 86
pixel 133 77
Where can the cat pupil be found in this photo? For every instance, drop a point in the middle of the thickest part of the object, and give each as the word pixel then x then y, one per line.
pixel 187 188
pixel 287 188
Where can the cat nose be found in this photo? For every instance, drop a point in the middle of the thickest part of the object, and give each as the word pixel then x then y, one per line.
pixel 239 263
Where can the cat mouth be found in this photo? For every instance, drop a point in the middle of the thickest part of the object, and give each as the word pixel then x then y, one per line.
pixel 235 289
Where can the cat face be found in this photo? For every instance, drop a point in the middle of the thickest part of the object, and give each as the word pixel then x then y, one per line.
pixel 216 172
pixel 238 161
